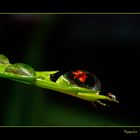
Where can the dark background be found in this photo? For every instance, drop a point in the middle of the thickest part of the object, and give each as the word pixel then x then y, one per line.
pixel 73 6
pixel 105 45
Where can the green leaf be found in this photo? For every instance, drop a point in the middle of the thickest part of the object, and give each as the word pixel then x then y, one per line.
pixel 3 59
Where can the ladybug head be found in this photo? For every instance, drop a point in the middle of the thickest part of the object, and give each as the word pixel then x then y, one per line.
pixel 112 96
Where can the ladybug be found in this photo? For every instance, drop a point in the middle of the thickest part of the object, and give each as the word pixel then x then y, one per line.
pixel 84 85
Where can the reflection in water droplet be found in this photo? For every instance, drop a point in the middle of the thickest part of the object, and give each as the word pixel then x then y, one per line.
pixel 84 79
pixel 21 69
pixel 3 59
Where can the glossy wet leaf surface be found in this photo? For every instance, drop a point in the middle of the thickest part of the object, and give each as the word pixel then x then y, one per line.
pixel 21 69
pixel 3 59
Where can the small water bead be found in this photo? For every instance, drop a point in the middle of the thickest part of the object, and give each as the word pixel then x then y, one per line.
pixel 21 69
pixel 84 79
pixel 3 59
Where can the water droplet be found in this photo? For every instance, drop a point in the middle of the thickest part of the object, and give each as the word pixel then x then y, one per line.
pixel 3 59
pixel 84 79
pixel 21 69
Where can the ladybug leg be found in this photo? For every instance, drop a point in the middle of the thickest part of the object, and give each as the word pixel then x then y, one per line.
pixel 101 103
pixel 94 104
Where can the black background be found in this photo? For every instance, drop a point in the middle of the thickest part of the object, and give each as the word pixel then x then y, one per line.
pixel 69 6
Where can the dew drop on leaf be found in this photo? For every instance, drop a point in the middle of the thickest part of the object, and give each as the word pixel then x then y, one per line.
pixel 83 79
pixel 21 69
pixel 3 59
